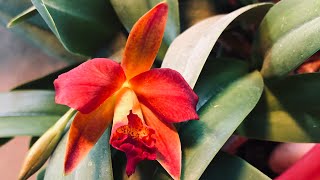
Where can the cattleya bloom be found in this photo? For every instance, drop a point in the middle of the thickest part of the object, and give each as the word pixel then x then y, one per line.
pixel 143 104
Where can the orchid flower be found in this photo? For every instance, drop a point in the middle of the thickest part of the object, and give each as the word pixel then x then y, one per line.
pixel 141 104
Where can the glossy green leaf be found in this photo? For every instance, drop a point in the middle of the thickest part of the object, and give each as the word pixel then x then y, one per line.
pixel 28 112
pixel 26 14
pixel 289 34
pixel 83 27
pixel 46 41
pixel 221 71
pixel 228 167
pixel 189 51
pixel 130 11
pixel 96 165
pixel 289 111
pixel 34 30
pixel 219 117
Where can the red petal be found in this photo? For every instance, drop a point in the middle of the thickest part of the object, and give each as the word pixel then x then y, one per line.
pixel 85 131
pixel 167 94
pixel 87 86
pixel 168 143
pixel 144 41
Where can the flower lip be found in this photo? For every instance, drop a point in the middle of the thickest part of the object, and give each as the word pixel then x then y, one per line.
pixel 137 140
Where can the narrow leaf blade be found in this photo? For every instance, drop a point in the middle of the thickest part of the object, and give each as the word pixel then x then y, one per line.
pixel 219 117
pixel 221 165
pixel 28 112
pixel 35 30
pixel 91 23
pixel 31 11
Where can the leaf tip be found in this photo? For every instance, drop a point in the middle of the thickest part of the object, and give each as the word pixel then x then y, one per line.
pixel 9 25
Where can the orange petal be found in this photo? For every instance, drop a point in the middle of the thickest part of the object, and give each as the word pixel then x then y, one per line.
pixel 85 131
pixel 167 94
pixel 144 41
pixel 168 143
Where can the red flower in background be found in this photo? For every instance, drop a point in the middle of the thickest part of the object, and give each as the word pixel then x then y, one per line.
pixel 311 65
pixel 306 168
pixel 142 103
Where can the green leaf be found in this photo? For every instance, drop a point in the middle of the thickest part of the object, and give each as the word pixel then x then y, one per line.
pixel 28 112
pixel 12 8
pixel 130 11
pixel 83 27
pixel 34 30
pixel 188 52
pixel 289 111
pixel 219 117
pixel 41 174
pixel 222 82
pixel 228 167
pixel 220 71
pixel 31 11
pixel 96 165
pixel 289 34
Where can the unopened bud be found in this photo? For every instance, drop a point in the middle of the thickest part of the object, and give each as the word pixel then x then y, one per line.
pixel 42 149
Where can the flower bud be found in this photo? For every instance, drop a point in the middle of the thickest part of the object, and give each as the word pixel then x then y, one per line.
pixel 42 149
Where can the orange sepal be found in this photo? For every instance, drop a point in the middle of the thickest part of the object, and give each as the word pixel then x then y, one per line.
pixel 144 41
pixel 168 143
pixel 85 131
